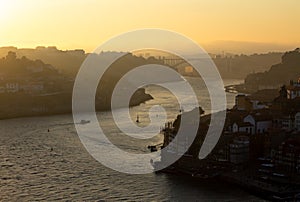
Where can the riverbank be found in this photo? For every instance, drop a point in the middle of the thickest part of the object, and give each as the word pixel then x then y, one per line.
pixel 19 105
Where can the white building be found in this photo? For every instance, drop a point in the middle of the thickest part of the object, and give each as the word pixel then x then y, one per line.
pixel 261 122
pixel 244 127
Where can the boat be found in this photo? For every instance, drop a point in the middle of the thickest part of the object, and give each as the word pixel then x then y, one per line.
pixel 84 121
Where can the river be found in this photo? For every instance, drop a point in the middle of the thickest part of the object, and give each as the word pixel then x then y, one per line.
pixel 39 165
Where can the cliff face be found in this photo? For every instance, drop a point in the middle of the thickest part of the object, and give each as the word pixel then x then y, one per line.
pixel 278 74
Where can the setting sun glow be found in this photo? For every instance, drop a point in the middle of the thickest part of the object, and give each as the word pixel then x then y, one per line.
pixel 85 24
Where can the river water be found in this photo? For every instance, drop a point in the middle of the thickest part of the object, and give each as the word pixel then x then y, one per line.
pixel 39 165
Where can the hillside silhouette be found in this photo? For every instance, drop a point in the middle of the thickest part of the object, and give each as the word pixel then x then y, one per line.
pixel 32 87
pixel 69 61
pixel 279 74
pixel 11 66
pixel 239 66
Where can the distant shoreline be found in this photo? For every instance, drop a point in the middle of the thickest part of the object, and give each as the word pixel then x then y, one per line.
pixel 135 101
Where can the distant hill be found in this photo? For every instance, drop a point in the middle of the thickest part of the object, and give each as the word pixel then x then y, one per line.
pixel 281 73
pixel 239 66
pixel 31 87
pixel 13 67
pixel 68 62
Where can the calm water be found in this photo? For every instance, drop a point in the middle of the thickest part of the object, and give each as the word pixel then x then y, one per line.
pixel 37 165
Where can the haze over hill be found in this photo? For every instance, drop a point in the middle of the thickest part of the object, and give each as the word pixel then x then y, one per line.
pixel 69 61
pixel 278 74
pixel 29 87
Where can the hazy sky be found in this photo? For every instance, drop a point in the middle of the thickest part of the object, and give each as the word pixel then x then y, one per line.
pixel 70 24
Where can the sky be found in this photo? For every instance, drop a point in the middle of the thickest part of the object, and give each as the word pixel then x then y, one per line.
pixel 217 25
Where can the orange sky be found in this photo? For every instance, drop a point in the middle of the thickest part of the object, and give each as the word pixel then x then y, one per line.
pixel 85 24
